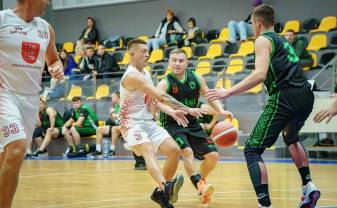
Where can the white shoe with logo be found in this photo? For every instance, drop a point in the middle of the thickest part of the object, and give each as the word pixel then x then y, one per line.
pixel 310 196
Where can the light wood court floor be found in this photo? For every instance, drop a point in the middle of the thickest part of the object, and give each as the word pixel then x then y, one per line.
pixel 114 183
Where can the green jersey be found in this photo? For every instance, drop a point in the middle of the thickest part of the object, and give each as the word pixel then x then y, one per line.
pixel 284 70
pixel 90 117
pixel 45 120
pixel 186 91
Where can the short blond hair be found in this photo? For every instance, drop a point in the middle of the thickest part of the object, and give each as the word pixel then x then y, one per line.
pixel 178 51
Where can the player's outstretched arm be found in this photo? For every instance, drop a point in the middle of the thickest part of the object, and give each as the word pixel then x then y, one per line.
pixel 178 115
pixel 215 104
pixel 262 53
pixel 55 66
pixel 326 113
pixel 196 112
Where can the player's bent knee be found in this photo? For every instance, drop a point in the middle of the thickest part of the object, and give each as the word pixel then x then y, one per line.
pixel 16 153
pixel 65 130
pixel 187 153
pixel 175 150
pixel 253 155
pixel 212 157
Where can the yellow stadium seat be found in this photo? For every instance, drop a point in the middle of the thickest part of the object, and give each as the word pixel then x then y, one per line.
pixel 203 67
pixel 246 48
pixel 148 68
pixel 74 91
pixel 77 58
pixel 215 50
pixel 255 90
pixel 220 84
pixel 159 77
pixel 143 37
pixel 188 51
pixel 223 37
pixel 68 46
pixel 156 55
pixel 234 122
pixel 110 50
pixel 101 92
pixel 327 24
pixel 317 42
pixel 125 59
pixel 315 64
pixel 235 66
pixel 101 123
pixel 291 25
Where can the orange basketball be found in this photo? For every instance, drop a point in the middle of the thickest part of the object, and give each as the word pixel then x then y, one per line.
pixel 224 134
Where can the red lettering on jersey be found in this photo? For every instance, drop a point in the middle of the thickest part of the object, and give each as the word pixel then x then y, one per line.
pixel 11 129
pixel 30 52
pixel 175 89
pixel 138 137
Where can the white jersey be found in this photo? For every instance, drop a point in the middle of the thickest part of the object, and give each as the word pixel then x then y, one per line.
pixel 22 52
pixel 135 104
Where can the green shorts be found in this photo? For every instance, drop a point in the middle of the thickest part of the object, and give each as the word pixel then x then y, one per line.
pixel 86 131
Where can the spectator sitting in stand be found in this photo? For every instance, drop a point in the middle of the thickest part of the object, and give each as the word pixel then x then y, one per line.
pixel 168 32
pixel 105 63
pixel 89 35
pixel 194 34
pixel 299 45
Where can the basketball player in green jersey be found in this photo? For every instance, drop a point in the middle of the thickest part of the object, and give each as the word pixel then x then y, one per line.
pixel 186 86
pixel 290 104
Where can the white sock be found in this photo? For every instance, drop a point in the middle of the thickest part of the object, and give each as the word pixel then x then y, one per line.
pixel 112 147
pixel 99 147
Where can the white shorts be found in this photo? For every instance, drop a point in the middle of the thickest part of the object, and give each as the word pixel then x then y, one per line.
pixel 145 132
pixel 17 116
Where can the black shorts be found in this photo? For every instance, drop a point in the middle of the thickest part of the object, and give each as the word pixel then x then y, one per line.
pixel 193 136
pixel 41 132
pixel 285 111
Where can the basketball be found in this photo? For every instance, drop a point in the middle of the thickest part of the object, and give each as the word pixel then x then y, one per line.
pixel 224 134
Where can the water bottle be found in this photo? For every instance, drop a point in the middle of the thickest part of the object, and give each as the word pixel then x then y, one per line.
pixel 106 146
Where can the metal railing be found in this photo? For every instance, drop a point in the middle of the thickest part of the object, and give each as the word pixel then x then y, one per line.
pixel 332 63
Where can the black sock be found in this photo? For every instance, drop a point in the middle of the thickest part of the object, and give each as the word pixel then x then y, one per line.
pixel 305 175
pixel 195 179
pixel 263 195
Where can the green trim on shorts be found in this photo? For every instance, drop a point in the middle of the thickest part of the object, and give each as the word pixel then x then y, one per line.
pixel 262 127
pixel 85 131
pixel 180 142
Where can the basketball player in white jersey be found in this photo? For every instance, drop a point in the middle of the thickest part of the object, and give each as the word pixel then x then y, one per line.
pixel 143 136
pixel 26 42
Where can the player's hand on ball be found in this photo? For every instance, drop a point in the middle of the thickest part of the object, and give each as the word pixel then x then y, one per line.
pixel 56 72
pixel 227 114
pixel 180 117
pixel 208 127
pixel 216 94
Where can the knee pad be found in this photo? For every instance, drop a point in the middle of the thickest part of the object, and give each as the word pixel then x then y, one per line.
pixel 253 158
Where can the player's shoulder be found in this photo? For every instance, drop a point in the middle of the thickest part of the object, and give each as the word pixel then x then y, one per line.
pixel 40 19
pixel 5 12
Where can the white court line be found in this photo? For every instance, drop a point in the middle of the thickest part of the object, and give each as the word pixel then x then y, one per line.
pixel 186 194
pixel 332 206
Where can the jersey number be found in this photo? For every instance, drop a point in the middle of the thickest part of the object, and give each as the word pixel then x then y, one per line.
pixel 292 57
pixel 11 129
